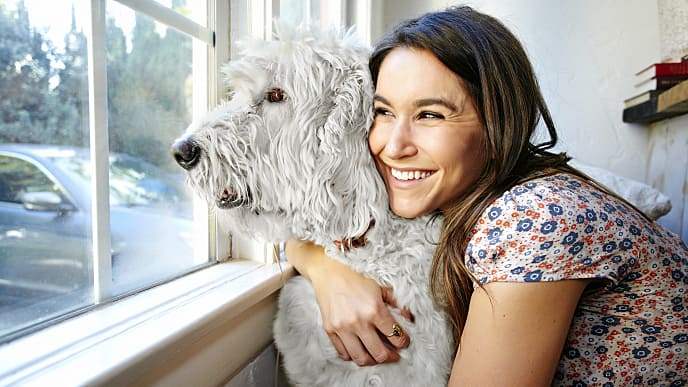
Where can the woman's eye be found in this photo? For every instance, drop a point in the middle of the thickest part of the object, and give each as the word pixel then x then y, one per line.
pixel 381 112
pixel 430 115
pixel 275 95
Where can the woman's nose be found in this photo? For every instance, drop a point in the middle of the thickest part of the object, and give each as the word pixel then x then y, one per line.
pixel 400 143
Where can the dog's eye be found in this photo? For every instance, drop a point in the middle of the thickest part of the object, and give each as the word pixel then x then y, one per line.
pixel 275 95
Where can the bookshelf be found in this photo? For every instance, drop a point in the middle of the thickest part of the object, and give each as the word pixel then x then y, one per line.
pixel 670 103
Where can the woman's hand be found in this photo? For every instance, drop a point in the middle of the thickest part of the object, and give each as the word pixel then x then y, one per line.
pixel 353 307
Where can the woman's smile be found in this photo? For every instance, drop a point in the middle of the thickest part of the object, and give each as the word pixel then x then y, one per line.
pixel 409 175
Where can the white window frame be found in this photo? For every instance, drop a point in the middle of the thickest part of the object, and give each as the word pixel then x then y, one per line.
pixel 200 329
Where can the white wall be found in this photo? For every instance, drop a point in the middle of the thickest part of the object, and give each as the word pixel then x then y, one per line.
pixel 585 54
pixel 668 148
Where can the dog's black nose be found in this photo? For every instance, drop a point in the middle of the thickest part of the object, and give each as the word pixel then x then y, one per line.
pixel 186 153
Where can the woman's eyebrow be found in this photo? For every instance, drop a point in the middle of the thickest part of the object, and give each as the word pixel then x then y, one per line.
pixel 421 102
pixel 435 101
pixel 381 99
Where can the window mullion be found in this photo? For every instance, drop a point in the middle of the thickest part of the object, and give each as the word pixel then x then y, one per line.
pixel 259 11
pixel 362 18
pixel 218 18
pixel 100 167
pixel 333 13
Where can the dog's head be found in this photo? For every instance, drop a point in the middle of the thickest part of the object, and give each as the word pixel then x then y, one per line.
pixel 290 142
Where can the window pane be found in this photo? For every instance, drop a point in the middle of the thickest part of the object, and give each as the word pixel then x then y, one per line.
pixel 45 234
pixel 195 13
pixel 150 95
pixel 298 12
pixel 46 260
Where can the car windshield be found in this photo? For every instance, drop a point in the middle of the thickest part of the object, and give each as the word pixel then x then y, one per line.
pixel 133 182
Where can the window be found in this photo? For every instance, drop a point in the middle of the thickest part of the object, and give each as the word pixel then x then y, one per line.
pixel 80 226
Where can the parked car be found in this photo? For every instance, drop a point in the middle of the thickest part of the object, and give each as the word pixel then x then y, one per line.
pixel 45 228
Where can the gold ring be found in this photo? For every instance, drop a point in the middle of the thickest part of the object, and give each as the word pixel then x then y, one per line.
pixel 396 331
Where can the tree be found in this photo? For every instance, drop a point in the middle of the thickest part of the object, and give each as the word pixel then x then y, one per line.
pixel 25 72
pixel 148 106
pixel 72 90
pixel 45 90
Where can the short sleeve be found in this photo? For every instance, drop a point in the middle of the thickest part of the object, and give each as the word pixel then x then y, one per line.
pixel 552 229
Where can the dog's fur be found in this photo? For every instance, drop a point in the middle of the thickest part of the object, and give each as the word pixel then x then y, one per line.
pixel 302 168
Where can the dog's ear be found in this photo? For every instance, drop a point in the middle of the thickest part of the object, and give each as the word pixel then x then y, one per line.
pixel 347 182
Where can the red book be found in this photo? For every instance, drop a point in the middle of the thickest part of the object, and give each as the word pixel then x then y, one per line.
pixel 662 69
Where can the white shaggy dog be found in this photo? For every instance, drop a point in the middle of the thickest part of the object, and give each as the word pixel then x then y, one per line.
pixel 287 156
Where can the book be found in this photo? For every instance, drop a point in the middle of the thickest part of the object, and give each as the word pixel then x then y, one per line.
pixel 674 99
pixel 644 113
pixel 664 68
pixel 642 97
pixel 660 82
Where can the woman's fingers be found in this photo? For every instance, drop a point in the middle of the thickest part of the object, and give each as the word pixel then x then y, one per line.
pixel 393 331
pixel 388 326
pixel 356 351
pixel 339 346
pixel 376 347
pixel 365 348
pixel 389 299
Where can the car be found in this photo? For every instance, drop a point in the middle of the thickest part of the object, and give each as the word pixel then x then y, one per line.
pixel 46 259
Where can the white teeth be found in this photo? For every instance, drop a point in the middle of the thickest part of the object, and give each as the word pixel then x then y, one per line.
pixel 409 175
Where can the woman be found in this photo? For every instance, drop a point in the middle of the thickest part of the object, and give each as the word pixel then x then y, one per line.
pixel 547 276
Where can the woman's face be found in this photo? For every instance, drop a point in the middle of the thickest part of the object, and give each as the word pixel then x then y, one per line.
pixel 427 139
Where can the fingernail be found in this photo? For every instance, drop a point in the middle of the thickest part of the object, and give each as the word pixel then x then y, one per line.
pixel 407 314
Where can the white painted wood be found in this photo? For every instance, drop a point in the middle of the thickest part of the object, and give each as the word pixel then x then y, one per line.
pixel 100 151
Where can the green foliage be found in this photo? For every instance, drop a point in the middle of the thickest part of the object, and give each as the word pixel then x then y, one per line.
pixel 44 96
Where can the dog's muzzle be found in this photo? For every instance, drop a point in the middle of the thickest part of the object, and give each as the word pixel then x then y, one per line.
pixel 186 153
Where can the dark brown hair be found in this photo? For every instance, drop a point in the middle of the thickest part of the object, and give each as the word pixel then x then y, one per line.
pixel 499 79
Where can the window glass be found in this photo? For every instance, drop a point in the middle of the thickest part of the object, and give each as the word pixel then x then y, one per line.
pixel 150 94
pixel 185 9
pixel 300 11
pixel 46 259
pixel 45 263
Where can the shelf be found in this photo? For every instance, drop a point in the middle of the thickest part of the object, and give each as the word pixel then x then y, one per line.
pixel 670 103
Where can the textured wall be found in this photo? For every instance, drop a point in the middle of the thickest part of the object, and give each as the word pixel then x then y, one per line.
pixel 673 27
pixel 668 169
pixel 668 148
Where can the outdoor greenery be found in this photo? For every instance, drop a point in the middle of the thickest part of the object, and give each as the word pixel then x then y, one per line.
pixel 44 90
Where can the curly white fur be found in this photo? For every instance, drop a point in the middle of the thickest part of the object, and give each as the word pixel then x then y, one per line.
pixel 302 168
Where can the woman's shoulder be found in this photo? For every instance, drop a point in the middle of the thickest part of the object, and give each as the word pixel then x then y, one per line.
pixel 560 194
pixel 551 228
pixel 559 186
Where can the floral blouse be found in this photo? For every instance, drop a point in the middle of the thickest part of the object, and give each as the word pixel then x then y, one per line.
pixel 631 330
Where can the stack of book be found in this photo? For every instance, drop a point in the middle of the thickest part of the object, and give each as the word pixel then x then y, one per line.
pixel 651 82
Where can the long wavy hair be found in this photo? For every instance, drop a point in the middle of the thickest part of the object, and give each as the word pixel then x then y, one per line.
pixel 499 78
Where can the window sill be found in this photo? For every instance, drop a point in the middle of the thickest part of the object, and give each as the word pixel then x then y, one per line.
pixel 200 329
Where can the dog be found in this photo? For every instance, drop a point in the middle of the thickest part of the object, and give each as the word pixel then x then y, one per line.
pixel 286 156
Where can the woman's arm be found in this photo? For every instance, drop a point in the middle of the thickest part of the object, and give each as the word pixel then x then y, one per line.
pixel 353 307
pixel 515 333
